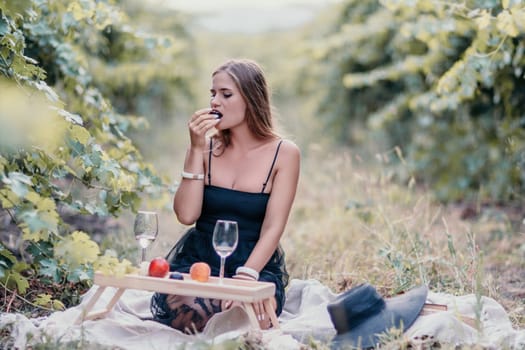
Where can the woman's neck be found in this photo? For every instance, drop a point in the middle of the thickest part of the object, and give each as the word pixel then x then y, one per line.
pixel 242 138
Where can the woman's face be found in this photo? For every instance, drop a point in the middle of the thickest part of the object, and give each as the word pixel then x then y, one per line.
pixel 227 99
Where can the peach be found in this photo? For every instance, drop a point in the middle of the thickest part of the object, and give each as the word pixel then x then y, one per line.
pixel 200 271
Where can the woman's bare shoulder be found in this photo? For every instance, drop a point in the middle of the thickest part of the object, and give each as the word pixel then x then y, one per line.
pixel 289 150
pixel 290 147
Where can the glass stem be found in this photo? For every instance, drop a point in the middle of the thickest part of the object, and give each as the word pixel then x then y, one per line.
pixel 143 255
pixel 221 272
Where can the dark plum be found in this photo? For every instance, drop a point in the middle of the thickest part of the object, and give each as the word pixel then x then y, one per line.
pixel 176 276
pixel 217 113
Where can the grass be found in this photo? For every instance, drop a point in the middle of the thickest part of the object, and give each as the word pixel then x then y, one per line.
pixel 352 224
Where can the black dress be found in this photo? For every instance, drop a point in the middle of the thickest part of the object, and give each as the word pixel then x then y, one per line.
pixel 248 209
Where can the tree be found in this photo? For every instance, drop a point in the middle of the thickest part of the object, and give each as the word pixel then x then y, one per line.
pixel 65 143
pixel 443 80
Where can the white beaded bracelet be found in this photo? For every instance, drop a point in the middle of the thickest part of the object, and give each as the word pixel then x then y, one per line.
pixel 190 176
pixel 248 271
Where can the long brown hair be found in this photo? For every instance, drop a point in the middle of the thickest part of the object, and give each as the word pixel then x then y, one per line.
pixel 250 80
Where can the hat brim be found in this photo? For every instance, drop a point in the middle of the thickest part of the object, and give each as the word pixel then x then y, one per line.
pixel 400 312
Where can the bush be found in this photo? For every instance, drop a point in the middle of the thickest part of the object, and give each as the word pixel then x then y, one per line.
pixel 444 81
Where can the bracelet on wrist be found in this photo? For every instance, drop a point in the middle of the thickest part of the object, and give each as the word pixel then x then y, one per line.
pixel 242 276
pixel 247 271
pixel 191 176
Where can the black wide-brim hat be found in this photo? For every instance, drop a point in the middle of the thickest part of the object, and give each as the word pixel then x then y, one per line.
pixel 360 315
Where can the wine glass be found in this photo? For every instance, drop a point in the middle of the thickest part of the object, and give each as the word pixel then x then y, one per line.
pixel 225 238
pixel 146 228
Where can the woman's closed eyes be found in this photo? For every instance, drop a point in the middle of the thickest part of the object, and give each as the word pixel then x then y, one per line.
pixel 225 94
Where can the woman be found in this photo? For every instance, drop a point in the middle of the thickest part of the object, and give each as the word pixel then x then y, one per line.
pixel 245 173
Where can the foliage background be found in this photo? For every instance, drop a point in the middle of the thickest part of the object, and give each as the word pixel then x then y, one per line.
pixel 441 80
pixel 82 72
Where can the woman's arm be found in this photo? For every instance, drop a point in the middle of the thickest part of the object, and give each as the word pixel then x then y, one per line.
pixel 187 203
pixel 283 191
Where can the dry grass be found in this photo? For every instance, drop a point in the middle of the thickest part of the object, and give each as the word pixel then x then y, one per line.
pixel 352 223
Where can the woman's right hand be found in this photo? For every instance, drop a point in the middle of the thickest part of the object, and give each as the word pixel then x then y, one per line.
pixel 200 123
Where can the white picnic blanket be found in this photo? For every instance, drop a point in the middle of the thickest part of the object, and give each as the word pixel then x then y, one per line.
pixel 304 317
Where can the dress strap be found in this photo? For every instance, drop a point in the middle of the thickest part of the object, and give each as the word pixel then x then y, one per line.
pixel 209 162
pixel 271 168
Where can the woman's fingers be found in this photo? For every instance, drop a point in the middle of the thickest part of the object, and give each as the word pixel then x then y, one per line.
pixel 201 116
pixel 201 127
pixel 200 123
pixel 259 310
pixel 226 304
pixel 258 307
pixel 199 113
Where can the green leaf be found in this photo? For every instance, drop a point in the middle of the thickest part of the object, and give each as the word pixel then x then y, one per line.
pixel 58 305
pixel 78 12
pixel 506 24
pixel 78 275
pixel 36 222
pixel 76 249
pixel 15 8
pixel 43 300
pixel 47 300
pixel 13 277
pixel 19 183
pixel 40 250
pixel 3 270
pixel 484 20
pixel 80 134
pixel 70 117
pixel 49 268
pixel 17 280
pixel 6 255
pixel 4 25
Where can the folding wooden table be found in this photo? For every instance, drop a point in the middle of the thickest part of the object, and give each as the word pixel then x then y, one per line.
pixel 246 292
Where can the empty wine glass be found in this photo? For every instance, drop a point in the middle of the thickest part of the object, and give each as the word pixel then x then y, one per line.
pixel 225 238
pixel 146 228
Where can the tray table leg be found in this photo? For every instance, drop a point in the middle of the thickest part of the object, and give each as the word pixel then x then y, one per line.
pixel 87 314
pixel 115 298
pixel 271 312
pixel 90 304
pixel 248 307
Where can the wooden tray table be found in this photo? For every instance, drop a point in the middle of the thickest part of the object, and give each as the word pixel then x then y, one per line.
pixel 246 292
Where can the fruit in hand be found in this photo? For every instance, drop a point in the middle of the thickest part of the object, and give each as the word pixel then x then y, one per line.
pixel 158 267
pixel 218 115
pixel 176 276
pixel 200 271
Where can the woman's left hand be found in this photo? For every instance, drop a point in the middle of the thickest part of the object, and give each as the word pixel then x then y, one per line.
pixel 262 315
pixel 258 307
